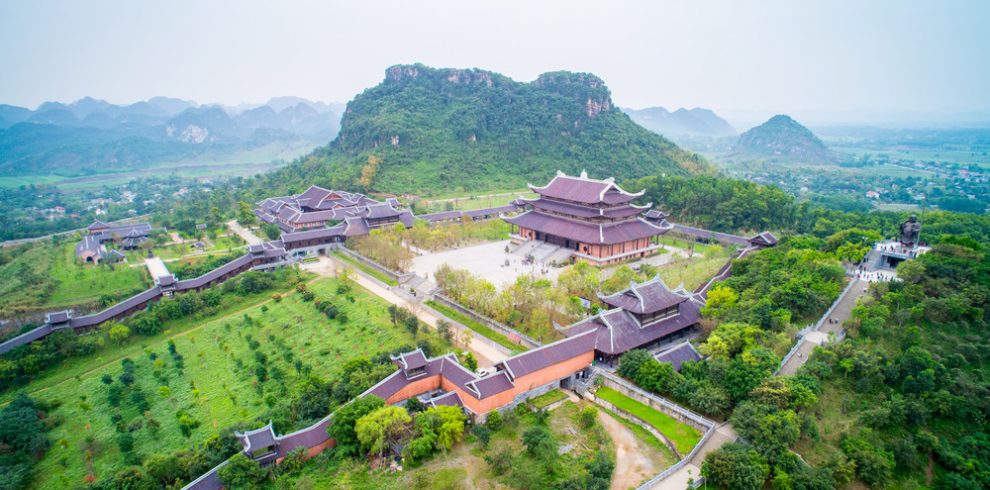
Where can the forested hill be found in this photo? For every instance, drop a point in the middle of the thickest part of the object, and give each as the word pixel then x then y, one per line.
pixel 784 139
pixel 425 129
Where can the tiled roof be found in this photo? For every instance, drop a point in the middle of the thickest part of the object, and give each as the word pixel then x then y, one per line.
pixel 117 309
pixel 97 225
pixel 617 331
pixel 492 384
pixel 647 297
pixel 299 236
pixel 258 438
pixel 57 317
pixel 547 355
pixel 604 233
pixel 765 239
pixel 584 190
pixel 450 398
pixel 490 211
pixel 441 216
pixel 214 274
pixel 90 244
pixel 708 234
pixel 678 355
pixel 411 360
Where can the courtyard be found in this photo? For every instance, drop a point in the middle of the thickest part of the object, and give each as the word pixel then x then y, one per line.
pixel 486 260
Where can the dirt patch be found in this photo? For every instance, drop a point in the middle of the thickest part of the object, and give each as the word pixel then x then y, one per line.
pixel 633 461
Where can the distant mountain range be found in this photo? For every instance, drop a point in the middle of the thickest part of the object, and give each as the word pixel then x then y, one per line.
pixel 682 122
pixel 783 139
pixel 424 129
pixel 91 135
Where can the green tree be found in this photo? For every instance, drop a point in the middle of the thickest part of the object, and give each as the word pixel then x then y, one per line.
pixel 379 428
pixel 539 441
pixel 345 419
pixel 735 466
pixel 242 472
pixel 118 333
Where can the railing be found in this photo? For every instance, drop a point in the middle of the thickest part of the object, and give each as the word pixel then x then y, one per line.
pixel 509 332
pixel 680 464
pixel 835 303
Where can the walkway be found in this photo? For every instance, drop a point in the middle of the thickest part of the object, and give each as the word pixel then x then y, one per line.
pixel 678 480
pixel 156 267
pixel 485 353
pixel 244 233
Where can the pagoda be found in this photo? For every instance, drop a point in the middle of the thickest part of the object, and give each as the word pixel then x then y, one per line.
pixel 594 218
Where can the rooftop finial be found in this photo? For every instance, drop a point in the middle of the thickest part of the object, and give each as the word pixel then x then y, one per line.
pixel 584 174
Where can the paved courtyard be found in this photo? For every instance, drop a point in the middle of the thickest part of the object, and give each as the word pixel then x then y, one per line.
pixel 487 260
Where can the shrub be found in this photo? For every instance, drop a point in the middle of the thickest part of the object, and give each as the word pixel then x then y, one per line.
pixel 588 416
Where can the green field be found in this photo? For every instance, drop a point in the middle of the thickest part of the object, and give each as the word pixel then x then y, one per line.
pixel 477 327
pixel 217 386
pixel 47 276
pixel 17 181
pixel 682 435
pixel 367 269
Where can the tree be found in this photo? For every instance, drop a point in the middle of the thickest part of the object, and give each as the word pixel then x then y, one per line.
pixel 483 433
pixel 242 472
pixel 344 421
pixel 539 441
pixel 245 214
pixel 631 361
pixel 470 362
pixel 735 466
pixel 588 416
pixel 770 430
pixel 378 429
pixel 413 405
pixel 118 332
pixel 412 324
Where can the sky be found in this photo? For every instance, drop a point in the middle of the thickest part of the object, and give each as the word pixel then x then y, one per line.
pixel 834 59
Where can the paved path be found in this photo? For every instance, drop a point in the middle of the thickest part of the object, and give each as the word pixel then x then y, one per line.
pixel 156 267
pixel 724 434
pixel 485 353
pixel 244 233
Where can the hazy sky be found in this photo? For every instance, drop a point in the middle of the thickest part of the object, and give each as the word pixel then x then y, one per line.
pixel 780 56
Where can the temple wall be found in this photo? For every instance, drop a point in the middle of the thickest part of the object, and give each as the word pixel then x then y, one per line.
pixel 417 387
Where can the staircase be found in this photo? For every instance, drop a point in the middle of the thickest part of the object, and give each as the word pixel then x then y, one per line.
pixel 526 248
pixel 559 256
pixel 545 250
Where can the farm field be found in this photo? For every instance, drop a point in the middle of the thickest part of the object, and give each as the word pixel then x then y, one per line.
pixel 216 387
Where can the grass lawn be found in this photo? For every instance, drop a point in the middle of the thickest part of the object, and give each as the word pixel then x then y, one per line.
pixel 682 435
pixel 217 386
pixel 367 269
pixel 547 398
pixel 477 327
